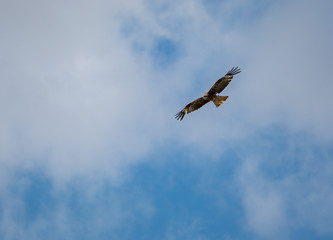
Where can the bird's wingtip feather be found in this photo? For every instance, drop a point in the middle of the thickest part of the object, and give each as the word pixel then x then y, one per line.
pixel 180 115
pixel 234 71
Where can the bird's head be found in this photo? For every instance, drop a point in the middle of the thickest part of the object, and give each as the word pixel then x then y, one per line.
pixel 205 96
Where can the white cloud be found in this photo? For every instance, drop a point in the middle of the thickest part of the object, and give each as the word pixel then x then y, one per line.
pixel 287 78
pixel 287 191
pixel 264 205
pixel 79 100
pixel 189 230
pixel 30 212
pixel 76 96
pixel 288 83
pixel 72 92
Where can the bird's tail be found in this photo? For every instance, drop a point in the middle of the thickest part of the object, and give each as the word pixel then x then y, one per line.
pixel 218 100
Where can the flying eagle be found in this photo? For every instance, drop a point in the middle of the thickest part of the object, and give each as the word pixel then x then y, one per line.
pixel 211 95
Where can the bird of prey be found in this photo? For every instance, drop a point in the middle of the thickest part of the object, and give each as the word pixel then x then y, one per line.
pixel 211 95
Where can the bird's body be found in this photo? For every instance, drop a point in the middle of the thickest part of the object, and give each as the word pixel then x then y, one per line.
pixel 211 95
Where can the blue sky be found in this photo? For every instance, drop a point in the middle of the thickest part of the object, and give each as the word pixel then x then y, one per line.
pixel 89 148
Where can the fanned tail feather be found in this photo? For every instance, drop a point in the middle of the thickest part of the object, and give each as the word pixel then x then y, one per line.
pixel 218 100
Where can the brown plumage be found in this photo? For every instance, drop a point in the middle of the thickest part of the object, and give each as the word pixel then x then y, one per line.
pixel 211 95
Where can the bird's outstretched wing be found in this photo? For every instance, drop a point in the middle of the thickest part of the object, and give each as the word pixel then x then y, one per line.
pixel 224 81
pixel 192 106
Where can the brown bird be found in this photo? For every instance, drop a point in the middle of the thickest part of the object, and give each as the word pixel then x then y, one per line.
pixel 211 95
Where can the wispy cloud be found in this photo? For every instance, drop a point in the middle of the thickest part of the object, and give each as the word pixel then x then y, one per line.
pixel 88 92
pixel 279 183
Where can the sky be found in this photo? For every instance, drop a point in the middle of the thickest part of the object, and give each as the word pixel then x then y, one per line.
pixel 90 149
